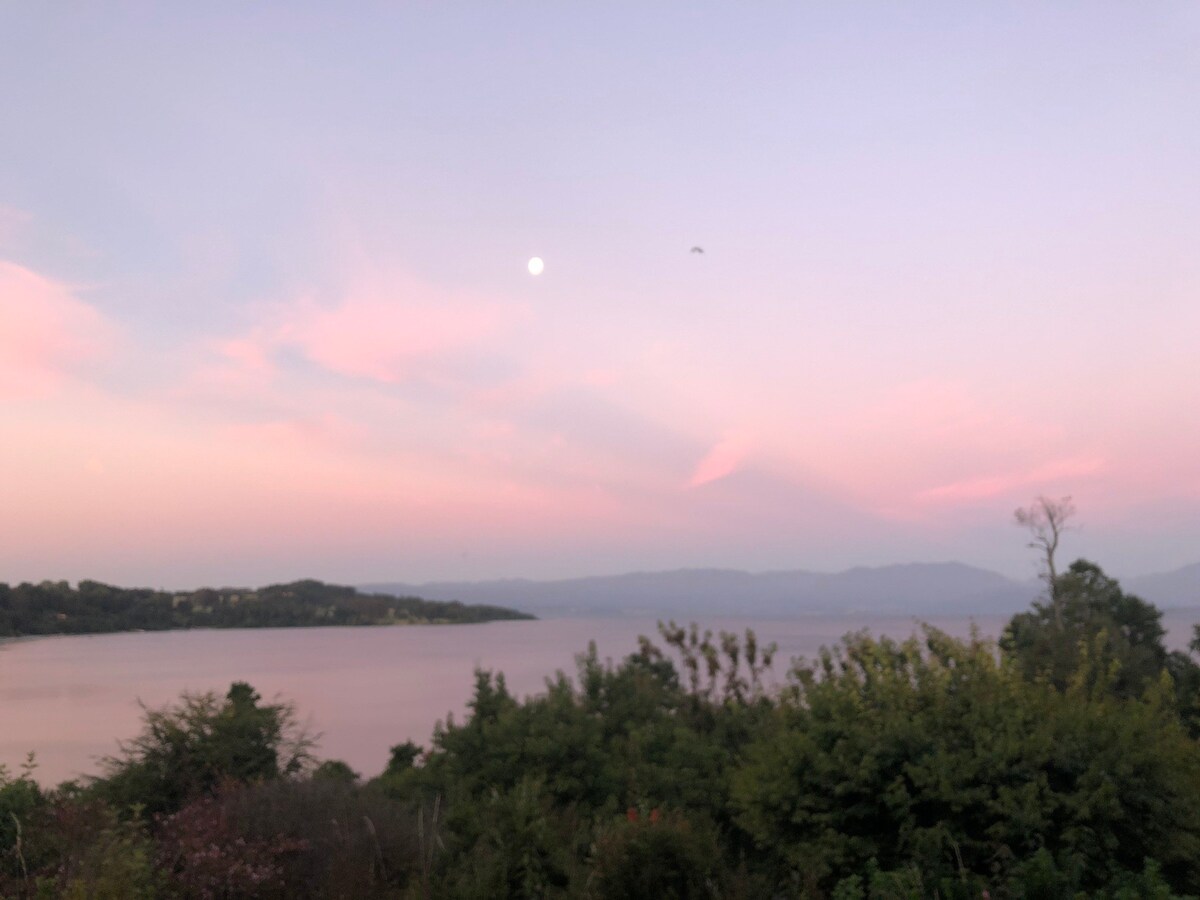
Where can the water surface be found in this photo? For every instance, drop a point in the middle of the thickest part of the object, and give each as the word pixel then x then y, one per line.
pixel 70 699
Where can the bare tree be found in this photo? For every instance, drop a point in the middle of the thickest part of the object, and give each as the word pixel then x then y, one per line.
pixel 1046 521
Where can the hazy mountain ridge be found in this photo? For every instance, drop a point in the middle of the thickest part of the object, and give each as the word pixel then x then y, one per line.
pixel 904 589
pixel 1179 587
pixel 918 588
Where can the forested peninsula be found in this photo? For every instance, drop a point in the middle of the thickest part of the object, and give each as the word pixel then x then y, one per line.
pixel 54 607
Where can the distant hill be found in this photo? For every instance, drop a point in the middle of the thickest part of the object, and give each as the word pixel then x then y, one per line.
pixel 1179 588
pixel 915 588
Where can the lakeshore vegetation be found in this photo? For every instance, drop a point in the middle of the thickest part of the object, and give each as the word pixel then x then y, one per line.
pixel 1059 762
pixel 54 607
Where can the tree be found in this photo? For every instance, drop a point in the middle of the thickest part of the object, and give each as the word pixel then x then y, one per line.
pixel 1046 521
pixel 336 770
pixel 935 757
pixel 1118 635
pixel 188 750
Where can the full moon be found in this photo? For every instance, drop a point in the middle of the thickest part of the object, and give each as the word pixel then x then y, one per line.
pixel 536 265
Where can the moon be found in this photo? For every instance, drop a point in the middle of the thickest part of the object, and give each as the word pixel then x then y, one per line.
pixel 536 266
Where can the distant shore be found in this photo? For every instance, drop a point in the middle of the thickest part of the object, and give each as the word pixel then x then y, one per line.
pixel 55 607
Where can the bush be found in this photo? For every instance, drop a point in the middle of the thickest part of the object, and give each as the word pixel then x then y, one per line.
pixel 654 855
pixel 342 840
pixel 939 756
pixel 188 750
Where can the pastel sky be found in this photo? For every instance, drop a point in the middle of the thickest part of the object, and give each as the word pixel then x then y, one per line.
pixel 265 311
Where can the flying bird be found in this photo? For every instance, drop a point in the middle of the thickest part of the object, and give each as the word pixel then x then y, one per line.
pixel 697 250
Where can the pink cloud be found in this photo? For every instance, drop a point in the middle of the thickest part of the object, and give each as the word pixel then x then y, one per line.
pixel 383 330
pixel 725 458
pixel 389 335
pixel 231 369
pixel 45 332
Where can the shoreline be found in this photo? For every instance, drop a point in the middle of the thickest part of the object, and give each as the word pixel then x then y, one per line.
pixel 20 638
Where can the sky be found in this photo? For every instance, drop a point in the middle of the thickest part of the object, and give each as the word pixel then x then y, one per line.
pixel 265 312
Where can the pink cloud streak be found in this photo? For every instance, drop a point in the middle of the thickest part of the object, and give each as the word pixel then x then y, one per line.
pixel 725 458
pixel 1065 471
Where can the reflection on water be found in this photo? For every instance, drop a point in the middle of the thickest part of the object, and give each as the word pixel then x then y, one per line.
pixel 70 699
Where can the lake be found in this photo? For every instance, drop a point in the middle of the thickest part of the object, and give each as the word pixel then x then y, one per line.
pixel 70 699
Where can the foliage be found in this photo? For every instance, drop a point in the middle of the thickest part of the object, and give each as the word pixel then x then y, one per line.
pixel 1094 631
pixel 335 770
pixel 20 799
pixel 512 843
pixel 615 737
pixel 340 840
pixel 1049 641
pixel 655 855
pixel 116 863
pixel 188 750
pixel 206 858
pixel 934 753
pixel 76 847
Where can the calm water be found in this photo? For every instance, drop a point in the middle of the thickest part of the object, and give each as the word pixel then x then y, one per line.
pixel 70 699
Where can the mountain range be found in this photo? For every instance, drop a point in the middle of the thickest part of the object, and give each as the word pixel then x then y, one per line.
pixel 1168 590
pixel 908 589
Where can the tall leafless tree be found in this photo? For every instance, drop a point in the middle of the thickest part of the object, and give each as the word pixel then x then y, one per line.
pixel 1046 520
